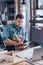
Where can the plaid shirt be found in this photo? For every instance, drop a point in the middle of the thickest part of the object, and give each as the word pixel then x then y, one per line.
pixel 20 32
pixel 7 32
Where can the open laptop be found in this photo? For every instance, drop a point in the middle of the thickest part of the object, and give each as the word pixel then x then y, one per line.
pixel 32 54
pixel 37 54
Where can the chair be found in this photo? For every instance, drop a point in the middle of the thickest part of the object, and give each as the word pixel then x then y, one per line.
pixel 1 43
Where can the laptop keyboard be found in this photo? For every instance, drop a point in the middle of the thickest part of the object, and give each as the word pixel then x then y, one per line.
pixel 28 53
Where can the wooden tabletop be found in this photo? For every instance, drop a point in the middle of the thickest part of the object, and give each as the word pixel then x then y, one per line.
pixel 19 60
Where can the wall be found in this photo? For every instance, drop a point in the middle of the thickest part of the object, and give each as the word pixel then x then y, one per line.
pixel 27 17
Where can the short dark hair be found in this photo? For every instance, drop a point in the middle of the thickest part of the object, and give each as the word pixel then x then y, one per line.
pixel 19 16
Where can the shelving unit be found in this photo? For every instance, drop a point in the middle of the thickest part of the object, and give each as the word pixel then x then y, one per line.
pixel 36 18
pixel 11 8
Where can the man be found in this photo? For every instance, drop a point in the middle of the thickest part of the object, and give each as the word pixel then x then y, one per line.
pixel 18 29
pixel 7 37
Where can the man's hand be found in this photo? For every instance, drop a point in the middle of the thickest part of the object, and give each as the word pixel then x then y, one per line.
pixel 20 42
pixel 22 46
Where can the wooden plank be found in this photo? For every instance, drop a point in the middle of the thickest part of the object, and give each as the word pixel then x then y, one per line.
pixel 30 19
pixel 18 6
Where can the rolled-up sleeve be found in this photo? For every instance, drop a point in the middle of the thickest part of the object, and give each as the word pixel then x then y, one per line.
pixel 7 33
pixel 4 38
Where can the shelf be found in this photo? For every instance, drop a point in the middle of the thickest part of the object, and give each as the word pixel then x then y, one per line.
pixel 38 16
pixel 36 21
pixel 10 1
pixel 11 18
pixel 11 15
pixel 37 8
pixel 10 6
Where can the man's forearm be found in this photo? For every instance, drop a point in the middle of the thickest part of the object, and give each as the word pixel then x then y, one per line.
pixel 10 42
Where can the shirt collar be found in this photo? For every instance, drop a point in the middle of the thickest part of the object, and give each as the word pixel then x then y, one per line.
pixel 16 27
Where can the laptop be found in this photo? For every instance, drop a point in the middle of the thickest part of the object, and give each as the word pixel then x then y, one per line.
pixel 37 54
pixel 32 54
